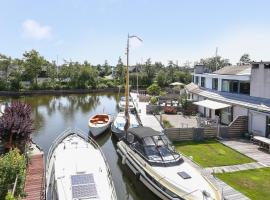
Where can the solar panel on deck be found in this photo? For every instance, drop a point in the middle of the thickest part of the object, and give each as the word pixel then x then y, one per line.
pixel 82 179
pixel 83 186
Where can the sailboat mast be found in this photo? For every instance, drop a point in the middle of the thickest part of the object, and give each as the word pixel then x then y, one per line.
pixel 127 79
pixel 127 90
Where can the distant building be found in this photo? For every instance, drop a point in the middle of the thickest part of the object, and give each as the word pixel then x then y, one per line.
pixel 234 91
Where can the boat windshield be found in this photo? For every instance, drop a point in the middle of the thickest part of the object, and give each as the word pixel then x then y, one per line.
pixel 159 149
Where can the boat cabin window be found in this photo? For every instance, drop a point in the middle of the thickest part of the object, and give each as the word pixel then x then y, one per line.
pixel 130 138
pixel 158 148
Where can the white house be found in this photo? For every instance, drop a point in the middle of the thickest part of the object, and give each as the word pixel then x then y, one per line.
pixel 234 91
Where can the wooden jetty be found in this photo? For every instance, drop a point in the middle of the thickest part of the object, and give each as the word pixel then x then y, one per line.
pixel 35 175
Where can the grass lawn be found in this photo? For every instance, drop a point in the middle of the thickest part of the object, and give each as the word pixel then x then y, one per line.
pixel 254 183
pixel 211 153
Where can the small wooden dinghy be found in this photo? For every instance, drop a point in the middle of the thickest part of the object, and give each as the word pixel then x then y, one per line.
pixel 99 123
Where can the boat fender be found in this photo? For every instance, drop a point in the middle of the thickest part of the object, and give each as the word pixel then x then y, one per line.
pixel 124 160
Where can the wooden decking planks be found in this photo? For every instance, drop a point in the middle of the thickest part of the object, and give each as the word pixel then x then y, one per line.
pixel 34 184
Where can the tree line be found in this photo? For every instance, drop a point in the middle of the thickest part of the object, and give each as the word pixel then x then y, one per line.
pixel 33 71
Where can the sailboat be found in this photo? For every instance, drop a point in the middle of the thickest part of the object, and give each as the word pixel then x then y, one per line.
pixel 77 169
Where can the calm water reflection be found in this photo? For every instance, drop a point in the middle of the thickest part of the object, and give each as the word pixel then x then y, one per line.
pixel 54 113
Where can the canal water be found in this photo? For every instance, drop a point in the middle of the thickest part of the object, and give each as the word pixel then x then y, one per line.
pixel 53 114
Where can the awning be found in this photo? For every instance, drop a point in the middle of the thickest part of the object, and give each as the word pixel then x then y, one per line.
pixel 177 84
pixel 211 104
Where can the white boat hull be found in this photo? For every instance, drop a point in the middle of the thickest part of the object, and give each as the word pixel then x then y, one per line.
pixel 96 131
pixel 96 128
pixel 70 163
pixel 138 167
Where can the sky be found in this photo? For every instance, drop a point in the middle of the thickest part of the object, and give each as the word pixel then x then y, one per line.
pixel 96 30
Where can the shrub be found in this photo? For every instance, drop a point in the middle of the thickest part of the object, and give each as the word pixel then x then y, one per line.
pixel 12 164
pixel 167 124
pixel 16 125
pixel 153 89
pixel 170 110
pixel 10 196
pixel 153 100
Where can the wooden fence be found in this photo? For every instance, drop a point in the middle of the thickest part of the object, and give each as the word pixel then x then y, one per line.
pixel 234 130
pixel 180 134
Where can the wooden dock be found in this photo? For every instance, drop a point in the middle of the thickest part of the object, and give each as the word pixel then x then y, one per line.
pixel 35 177
pixel 146 120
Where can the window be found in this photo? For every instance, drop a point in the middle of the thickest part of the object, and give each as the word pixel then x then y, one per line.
pixel 244 87
pixel 266 66
pixel 230 86
pixel 215 84
pixel 197 80
pixel 225 86
pixel 203 81
pixel 255 66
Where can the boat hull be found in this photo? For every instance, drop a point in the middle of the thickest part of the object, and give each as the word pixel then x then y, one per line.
pixel 64 162
pixel 96 131
pixel 117 132
pixel 151 179
pixel 140 173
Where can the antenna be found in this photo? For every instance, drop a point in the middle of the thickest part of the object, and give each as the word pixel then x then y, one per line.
pixel 216 57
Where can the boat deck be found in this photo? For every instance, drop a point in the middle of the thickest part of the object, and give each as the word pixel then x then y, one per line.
pixel 34 183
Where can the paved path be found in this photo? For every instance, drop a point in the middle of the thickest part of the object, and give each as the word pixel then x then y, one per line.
pixel 234 168
pixel 249 149
pixel 228 192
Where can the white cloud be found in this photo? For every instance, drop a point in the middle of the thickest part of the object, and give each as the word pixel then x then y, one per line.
pixel 34 30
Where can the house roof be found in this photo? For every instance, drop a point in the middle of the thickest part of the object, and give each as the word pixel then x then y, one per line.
pixel 234 70
pixel 255 103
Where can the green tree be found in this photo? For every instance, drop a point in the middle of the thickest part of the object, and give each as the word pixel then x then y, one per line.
pixel 12 165
pixel 87 77
pixel 51 72
pixel 33 64
pixel 170 71
pixel 5 64
pixel 119 71
pixel 153 89
pixel 161 78
pixel 215 62
pixel 183 77
pixel 245 59
pixel 149 70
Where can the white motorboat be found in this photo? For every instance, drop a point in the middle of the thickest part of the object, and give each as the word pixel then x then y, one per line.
pixel 99 123
pixel 122 104
pixel 152 158
pixel 118 124
pixel 76 168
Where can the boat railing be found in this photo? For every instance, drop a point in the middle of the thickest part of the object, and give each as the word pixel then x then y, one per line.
pixel 96 145
pixel 80 133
